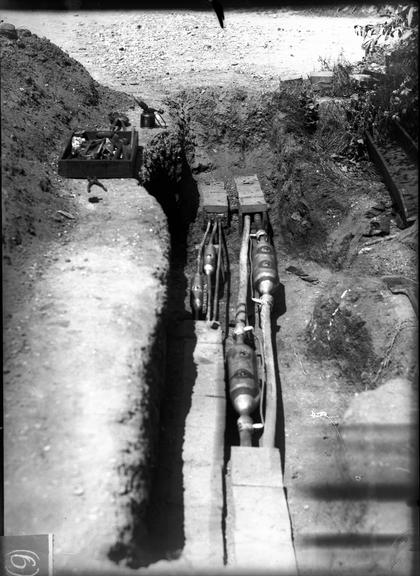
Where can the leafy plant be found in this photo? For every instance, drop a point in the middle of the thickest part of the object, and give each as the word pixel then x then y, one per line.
pixel 310 110
pixel 341 68
pixel 400 27
pixel 362 115
pixel 395 43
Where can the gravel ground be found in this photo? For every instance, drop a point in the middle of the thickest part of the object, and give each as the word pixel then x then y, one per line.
pixel 168 50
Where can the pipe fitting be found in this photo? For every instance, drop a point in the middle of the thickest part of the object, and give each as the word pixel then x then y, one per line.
pixel 197 294
pixel 245 422
pixel 239 330
pixel 259 233
pixel 245 429
pixel 209 259
pixel 267 299
pixel 265 277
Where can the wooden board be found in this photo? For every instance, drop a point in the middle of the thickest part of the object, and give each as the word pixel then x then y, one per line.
pixel 214 197
pixel 380 162
pixel 250 196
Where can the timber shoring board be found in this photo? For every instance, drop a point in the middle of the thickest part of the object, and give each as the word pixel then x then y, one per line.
pixel 380 162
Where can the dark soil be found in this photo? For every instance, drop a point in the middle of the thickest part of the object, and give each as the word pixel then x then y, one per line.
pixel 335 332
pixel 319 204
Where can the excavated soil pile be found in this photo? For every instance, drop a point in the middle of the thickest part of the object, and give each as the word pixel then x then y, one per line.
pixel 338 332
pixel 45 94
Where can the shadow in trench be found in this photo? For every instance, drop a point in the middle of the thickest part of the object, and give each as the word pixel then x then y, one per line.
pixel 279 441
pixel 165 514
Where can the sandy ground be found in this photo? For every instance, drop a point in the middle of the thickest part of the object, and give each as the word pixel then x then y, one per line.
pixel 150 54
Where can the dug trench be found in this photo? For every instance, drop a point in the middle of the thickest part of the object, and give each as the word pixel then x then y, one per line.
pixel 339 335
pixel 345 344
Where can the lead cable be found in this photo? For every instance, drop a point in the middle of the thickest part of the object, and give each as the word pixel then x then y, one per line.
pixel 268 437
pixel 241 317
pixel 209 268
pixel 257 328
pixel 201 246
pixel 219 262
pixel 226 266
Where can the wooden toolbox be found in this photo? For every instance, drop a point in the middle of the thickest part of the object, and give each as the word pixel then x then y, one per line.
pixel 110 168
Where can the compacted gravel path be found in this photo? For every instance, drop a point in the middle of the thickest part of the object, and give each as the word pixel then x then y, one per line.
pixel 168 50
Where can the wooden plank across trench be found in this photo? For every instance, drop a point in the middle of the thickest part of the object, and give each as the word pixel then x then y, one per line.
pixel 214 197
pixel 250 196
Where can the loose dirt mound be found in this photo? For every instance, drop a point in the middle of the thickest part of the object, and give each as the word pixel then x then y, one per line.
pixel 45 94
pixel 337 332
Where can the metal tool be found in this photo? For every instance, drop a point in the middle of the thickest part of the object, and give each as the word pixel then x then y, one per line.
pixel 93 181
pixel 402 285
pixel 118 121
pixel 150 115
